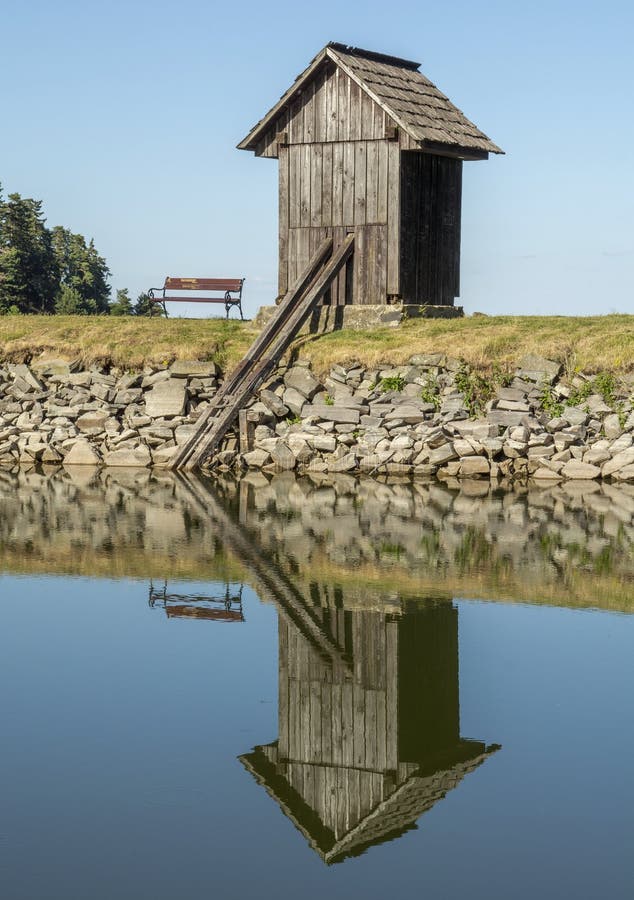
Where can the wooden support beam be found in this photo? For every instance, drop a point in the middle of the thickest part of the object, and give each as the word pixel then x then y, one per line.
pixel 264 354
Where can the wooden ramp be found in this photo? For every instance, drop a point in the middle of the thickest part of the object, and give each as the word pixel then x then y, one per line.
pixel 264 354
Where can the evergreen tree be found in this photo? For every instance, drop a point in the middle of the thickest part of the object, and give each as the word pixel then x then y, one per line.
pixel 82 271
pixel 122 306
pixel 29 275
pixel 145 307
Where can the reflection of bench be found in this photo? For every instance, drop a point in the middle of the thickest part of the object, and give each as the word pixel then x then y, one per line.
pixel 230 288
pixel 198 606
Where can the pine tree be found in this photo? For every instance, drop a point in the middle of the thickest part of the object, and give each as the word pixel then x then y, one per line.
pixel 122 306
pixel 29 275
pixel 83 274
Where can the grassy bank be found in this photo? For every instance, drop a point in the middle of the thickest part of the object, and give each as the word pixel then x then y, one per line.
pixel 125 341
pixel 590 344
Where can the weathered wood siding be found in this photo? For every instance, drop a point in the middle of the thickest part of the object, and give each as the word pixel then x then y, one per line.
pixel 348 739
pixel 332 108
pixel 326 717
pixel 340 171
pixel 431 196
pixel 330 189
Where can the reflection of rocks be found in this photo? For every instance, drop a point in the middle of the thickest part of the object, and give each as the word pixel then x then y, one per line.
pixel 365 749
pixel 568 544
pixel 371 541
pixel 119 522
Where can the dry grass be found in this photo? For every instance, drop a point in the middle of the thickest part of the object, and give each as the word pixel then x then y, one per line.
pixel 126 342
pixel 590 344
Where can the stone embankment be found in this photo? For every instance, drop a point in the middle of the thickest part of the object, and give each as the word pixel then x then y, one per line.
pixel 431 417
pixel 435 418
pixel 51 413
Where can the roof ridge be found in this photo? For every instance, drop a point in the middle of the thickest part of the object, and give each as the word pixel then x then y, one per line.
pixel 374 56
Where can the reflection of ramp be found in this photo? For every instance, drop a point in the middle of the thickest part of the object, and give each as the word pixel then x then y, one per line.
pixel 270 582
pixel 264 354
pixel 227 608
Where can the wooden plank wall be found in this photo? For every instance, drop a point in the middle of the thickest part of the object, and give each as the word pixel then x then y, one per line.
pixel 330 189
pixel 338 171
pixel 431 192
pixel 331 108
pixel 326 718
pixel 333 730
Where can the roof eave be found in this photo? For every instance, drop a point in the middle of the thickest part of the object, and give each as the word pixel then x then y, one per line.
pixel 252 138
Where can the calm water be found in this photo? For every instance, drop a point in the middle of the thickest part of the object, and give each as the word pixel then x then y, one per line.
pixel 317 689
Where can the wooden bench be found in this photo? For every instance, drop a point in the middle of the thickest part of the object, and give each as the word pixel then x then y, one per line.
pixel 230 288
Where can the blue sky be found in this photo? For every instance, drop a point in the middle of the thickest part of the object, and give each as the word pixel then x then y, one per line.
pixel 123 118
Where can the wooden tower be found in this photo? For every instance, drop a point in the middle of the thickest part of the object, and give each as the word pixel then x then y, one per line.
pixel 365 748
pixel 367 144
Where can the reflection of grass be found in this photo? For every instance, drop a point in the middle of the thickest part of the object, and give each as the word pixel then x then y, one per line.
pixel 474 550
pixel 393 551
pixel 119 562
pixel 369 585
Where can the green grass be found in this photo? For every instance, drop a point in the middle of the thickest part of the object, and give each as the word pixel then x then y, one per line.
pixel 590 344
pixel 127 342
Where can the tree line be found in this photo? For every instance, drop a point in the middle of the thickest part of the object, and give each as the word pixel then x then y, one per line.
pixel 54 271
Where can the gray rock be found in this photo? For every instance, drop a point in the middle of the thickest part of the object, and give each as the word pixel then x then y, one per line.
pixel 333 413
pixel 92 422
pixel 195 368
pixel 513 405
pixel 544 474
pixel 612 427
pixel 163 456
pixel 619 461
pixel 574 416
pixel 345 464
pixel 22 371
pixel 326 443
pixel 442 455
pixel 505 418
pixel 133 457
pixel 474 466
pixel 294 400
pixel 624 474
pixel 538 368
pixel 411 415
pixel 577 470
pixel 282 456
pixel 46 367
pixel 302 380
pixel 166 398
pixel 513 394
pixel 255 459
pixel 82 454
pixel 275 404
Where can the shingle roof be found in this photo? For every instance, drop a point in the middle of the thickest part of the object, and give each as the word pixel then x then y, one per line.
pixel 412 100
pixel 407 96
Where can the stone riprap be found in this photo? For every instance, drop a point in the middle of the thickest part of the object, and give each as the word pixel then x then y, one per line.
pixel 52 413
pixel 429 418
pixel 434 418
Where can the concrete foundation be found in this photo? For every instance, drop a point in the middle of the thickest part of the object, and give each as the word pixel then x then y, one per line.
pixel 359 317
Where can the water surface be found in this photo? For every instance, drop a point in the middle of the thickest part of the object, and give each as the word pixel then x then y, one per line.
pixel 313 688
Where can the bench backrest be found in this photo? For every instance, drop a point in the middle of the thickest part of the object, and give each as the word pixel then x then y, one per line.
pixel 203 284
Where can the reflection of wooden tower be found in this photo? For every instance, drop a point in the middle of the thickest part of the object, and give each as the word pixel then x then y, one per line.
pixel 364 751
